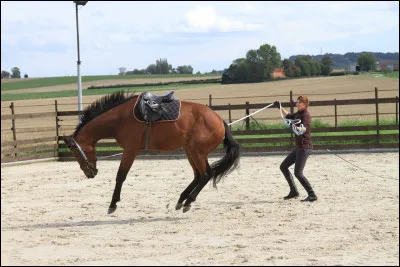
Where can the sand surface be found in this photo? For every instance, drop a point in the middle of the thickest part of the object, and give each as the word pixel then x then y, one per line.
pixel 52 215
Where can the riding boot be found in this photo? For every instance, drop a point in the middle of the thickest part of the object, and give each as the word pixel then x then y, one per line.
pixel 293 191
pixel 307 186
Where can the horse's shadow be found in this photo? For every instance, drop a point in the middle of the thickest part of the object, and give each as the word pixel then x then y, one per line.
pixel 93 223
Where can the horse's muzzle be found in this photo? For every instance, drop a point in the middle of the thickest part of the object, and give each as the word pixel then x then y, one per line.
pixel 89 170
pixel 90 173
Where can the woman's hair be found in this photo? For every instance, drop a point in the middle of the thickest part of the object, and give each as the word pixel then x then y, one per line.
pixel 303 99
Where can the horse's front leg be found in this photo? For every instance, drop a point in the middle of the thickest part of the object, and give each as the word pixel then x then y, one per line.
pixel 124 167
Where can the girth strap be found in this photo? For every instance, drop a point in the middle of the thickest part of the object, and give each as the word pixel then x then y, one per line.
pixel 147 135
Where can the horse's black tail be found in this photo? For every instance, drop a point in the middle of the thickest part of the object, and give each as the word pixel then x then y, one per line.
pixel 229 161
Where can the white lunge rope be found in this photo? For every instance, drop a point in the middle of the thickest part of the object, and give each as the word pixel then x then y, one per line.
pixel 251 114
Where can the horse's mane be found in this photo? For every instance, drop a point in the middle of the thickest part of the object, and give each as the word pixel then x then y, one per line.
pixel 102 105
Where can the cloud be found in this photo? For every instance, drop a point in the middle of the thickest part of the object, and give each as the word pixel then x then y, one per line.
pixel 205 19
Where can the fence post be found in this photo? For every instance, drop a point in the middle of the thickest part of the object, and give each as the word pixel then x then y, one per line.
pixel 57 126
pixel 13 126
pixel 291 102
pixel 335 114
pixel 209 100
pixel 397 110
pixel 230 116
pixel 377 113
pixel 248 118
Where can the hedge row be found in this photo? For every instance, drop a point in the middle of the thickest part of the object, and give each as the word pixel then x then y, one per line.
pixel 213 80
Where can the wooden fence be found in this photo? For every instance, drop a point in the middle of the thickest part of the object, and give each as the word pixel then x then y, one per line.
pixel 322 103
pixel 37 142
pixel 274 144
pixel 53 146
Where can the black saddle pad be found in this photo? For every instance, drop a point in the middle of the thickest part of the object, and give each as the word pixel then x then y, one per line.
pixel 170 113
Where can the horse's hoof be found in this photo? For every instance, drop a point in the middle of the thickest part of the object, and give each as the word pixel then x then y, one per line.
pixel 178 206
pixel 112 210
pixel 186 208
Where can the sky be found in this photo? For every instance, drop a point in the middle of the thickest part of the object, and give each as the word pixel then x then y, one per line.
pixel 40 38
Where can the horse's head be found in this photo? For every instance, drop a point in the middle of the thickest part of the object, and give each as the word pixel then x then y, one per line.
pixel 85 157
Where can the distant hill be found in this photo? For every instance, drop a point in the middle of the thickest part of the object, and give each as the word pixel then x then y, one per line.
pixel 344 61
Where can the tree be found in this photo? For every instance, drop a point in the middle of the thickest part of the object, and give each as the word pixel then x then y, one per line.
pixel 162 66
pixel 151 69
pixel 327 61
pixel 253 69
pixel 304 67
pixel 137 71
pixel 289 68
pixel 367 61
pixel 299 58
pixel 262 62
pixel 270 58
pixel 185 69
pixel 315 67
pixel 5 74
pixel 238 72
pixel 15 73
pixel 298 71
pixel 26 76
pixel 258 66
pixel 327 64
pixel 308 66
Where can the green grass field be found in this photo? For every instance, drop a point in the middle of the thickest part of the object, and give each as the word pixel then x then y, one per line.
pixel 72 93
pixel 394 74
pixel 43 82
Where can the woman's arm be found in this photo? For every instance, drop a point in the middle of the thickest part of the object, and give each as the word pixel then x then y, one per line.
pixel 287 115
pixel 284 112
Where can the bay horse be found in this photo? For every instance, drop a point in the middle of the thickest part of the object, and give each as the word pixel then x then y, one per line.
pixel 198 129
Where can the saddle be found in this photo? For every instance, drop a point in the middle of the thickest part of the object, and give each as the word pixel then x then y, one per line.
pixel 151 106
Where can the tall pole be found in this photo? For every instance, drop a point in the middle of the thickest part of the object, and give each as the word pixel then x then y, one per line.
pixel 78 63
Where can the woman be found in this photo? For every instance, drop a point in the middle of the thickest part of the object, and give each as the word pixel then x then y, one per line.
pixel 300 153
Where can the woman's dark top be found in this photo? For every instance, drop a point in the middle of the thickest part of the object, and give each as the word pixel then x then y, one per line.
pixel 303 140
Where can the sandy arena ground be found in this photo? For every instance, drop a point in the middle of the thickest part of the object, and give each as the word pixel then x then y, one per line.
pixel 52 215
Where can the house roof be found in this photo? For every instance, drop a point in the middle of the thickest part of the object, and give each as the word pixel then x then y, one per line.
pixel 387 62
pixel 278 72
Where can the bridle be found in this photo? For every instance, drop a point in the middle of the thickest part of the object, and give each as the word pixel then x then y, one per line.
pixel 80 150
pixel 92 170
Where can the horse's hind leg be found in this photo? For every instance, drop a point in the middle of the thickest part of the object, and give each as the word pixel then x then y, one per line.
pixel 205 170
pixel 124 167
pixel 192 185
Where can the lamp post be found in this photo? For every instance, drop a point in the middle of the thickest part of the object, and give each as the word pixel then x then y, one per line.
pixel 79 3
